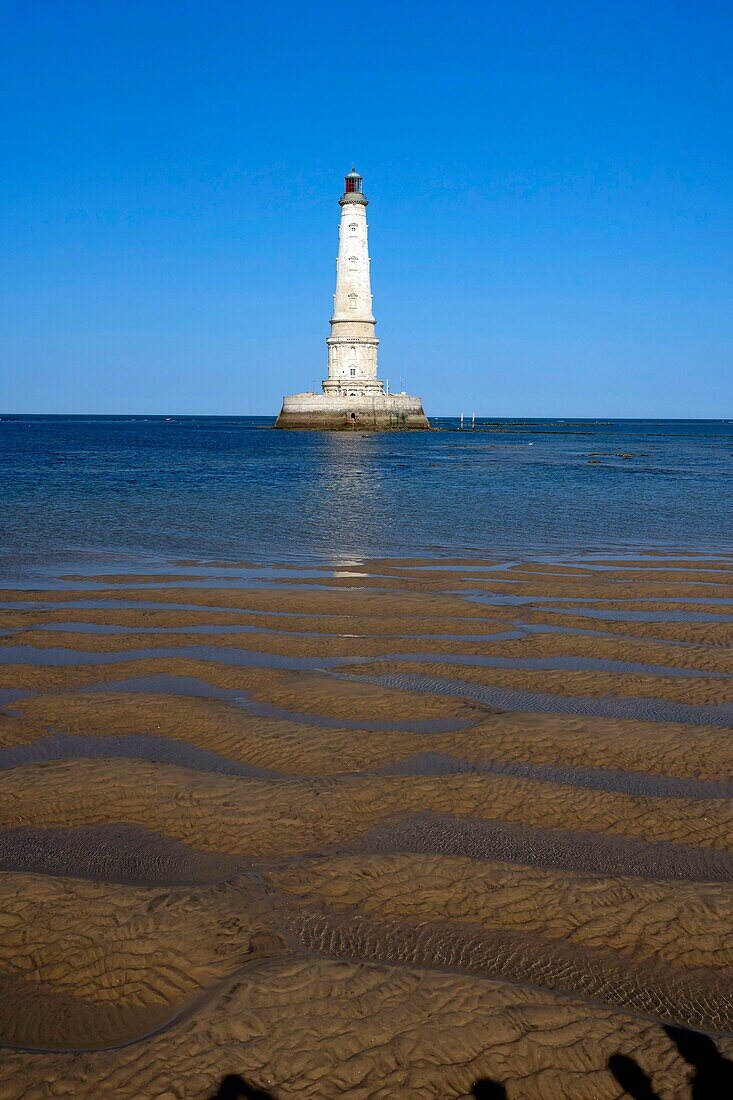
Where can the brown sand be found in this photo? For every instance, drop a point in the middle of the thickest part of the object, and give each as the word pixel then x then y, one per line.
pixel 695 658
pixel 297 748
pixel 701 691
pixel 331 885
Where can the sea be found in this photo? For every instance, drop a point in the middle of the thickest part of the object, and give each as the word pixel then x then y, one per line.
pixel 110 491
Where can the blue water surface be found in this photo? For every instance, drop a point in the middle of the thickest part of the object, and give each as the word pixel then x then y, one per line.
pixel 85 489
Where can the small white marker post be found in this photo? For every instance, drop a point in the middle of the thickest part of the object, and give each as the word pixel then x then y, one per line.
pixel 461 421
pixel 473 422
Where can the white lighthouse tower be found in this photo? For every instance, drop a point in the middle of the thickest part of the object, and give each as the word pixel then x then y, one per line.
pixel 352 345
pixel 353 396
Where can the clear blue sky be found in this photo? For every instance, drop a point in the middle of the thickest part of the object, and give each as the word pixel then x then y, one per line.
pixel 551 202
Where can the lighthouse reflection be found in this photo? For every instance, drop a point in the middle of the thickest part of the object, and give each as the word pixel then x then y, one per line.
pixel 353 486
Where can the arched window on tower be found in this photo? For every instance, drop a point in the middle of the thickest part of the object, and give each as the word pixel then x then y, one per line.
pixel 353 227
pixel 352 301
pixel 353 263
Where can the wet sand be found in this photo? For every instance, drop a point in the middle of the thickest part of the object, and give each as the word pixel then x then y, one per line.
pixel 387 831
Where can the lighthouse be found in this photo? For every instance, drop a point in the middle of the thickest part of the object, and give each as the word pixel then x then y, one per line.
pixel 352 345
pixel 353 396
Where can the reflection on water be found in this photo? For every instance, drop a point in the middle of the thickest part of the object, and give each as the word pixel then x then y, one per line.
pixel 103 489
pixel 346 474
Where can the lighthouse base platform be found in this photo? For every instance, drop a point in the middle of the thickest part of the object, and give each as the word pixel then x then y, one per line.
pixel 320 412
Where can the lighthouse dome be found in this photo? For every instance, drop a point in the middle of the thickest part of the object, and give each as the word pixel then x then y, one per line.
pixel 352 183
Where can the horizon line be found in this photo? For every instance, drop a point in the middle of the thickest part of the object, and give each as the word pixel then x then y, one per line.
pixel 434 416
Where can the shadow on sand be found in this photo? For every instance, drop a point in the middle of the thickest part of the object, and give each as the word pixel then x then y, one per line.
pixel 486 1089
pixel 234 1087
pixel 712 1078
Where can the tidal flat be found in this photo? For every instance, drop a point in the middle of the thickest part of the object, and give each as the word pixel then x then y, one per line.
pixel 416 828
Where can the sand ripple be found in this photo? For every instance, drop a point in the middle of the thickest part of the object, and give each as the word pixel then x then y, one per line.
pixel 380 835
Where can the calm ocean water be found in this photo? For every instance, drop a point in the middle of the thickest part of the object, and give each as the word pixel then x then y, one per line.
pixel 104 490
